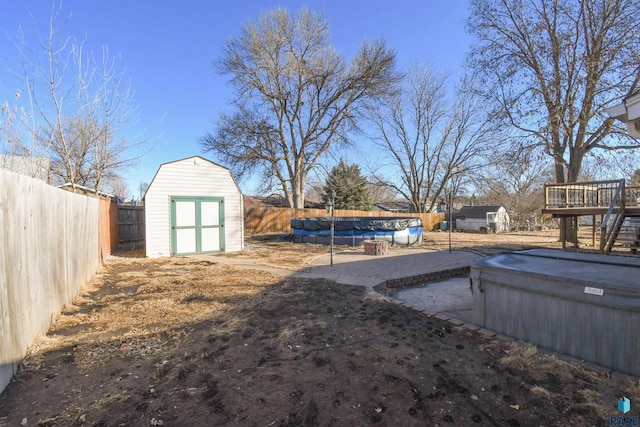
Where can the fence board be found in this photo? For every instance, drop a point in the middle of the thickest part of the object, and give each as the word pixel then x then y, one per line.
pixel 265 220
pixel 108 224
pixel 48 250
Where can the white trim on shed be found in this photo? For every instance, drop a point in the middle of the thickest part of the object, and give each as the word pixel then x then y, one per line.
pixel 193 178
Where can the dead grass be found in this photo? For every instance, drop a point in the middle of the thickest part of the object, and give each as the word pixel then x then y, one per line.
pixel 540 365
pixel 592 400
pixel 631 388
pixel 540 392
pixel 489 243
pixel 144 311
pixel 279 254
pixel 137 313
pixel 183 290
pixel 520 356
pixel 299 330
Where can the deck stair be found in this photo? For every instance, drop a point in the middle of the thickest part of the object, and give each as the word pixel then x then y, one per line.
pixel 629 235
pixel 615 203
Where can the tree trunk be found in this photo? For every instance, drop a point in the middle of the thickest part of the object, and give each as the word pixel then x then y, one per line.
pixel 303 184
pixel 298 200
pixel 568 227
pixel 573 175
pixel 568 233
pixel 297 188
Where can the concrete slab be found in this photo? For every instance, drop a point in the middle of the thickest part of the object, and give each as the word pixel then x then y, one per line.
pixel 451 298
pixel 356 268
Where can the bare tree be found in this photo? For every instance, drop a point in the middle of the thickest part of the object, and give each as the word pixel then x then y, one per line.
pixel 9 127
pixel 117 186
pixel 432 141
pixel 296 97
pixel 69 149
pixel 77 108
pixel 14 155
pixel 610 165
pixel 552 67
pixel 516 181
pixel 380 192
pixel 106 100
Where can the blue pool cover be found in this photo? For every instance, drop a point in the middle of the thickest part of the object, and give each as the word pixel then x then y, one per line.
pixel 355 230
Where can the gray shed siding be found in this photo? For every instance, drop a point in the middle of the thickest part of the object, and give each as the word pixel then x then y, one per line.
pixel 191 177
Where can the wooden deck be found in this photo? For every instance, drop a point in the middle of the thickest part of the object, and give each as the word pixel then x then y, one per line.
pixel 563 212
pixel 590 198
pixel 571 200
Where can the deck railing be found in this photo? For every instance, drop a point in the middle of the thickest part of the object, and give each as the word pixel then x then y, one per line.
pixel 632 195
pixel 592 194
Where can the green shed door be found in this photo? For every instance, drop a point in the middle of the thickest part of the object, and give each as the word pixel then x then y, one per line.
pixel 197 225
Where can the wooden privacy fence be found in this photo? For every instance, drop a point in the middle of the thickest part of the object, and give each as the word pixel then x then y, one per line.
pixel 48 250
pixel 278 220
pixel 120 226
pixel 130 226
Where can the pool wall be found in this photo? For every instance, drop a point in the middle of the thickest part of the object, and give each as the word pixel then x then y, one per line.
pixel 353 231
pixel 583 305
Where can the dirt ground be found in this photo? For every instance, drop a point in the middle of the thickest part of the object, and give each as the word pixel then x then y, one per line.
pixel 194 342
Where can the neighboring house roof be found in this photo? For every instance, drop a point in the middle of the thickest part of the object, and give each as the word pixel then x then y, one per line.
pixel 477 211
pixel 35 167
pixel 86 190
pixel 276 201
pixel 265 202
pixel 401 206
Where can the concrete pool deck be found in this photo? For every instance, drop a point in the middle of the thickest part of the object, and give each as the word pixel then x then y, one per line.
pixel 451 298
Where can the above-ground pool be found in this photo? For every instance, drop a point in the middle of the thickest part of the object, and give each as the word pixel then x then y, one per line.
pixel 353 231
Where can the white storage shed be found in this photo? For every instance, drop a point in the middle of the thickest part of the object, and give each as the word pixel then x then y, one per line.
pixel 193 206
pixel 485 219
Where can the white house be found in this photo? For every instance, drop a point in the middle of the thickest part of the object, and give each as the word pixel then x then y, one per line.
pixel 485 219
pixel 193 206
pixel 35 167
pixel 628 112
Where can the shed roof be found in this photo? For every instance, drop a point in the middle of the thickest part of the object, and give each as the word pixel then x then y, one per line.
pixel 192 157
pixel 477 211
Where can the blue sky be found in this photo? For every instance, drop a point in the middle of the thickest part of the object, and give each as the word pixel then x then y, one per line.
pixel 168 47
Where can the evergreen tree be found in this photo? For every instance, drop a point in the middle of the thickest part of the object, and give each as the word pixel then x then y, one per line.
pixel 350 187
